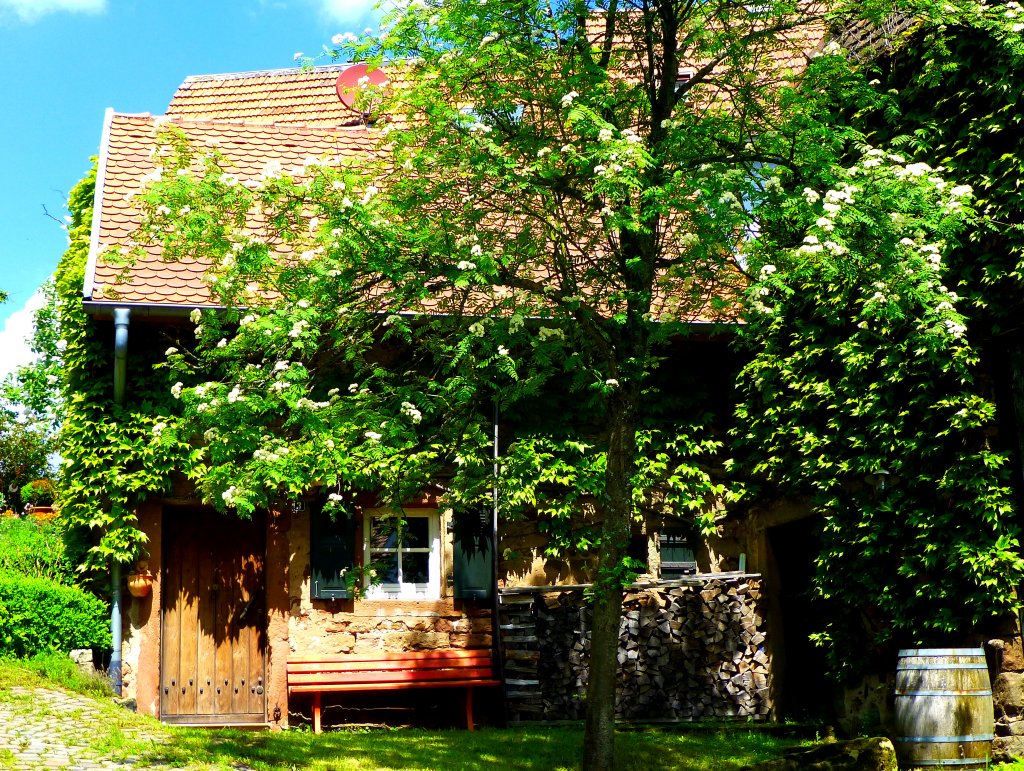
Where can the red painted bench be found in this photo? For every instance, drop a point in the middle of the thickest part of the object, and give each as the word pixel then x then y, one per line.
pixel 389 671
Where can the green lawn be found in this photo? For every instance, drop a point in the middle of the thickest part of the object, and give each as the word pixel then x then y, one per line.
pixel 534 749
pixel 122 734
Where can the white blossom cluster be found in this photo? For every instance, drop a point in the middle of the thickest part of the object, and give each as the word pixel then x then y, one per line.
pixel 550 333
pixel 412 412
pixel 230 496
pixel 305 403
pixel 270 456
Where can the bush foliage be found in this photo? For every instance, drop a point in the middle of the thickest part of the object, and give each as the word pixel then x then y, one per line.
pixel 38 615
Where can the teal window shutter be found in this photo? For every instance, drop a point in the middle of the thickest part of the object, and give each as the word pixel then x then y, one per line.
pixel 332 549
pixel 473 539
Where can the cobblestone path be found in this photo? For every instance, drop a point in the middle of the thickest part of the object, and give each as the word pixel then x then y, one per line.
pixel 43 728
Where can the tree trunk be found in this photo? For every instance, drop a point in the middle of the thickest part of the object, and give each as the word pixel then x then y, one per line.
pixel 599 734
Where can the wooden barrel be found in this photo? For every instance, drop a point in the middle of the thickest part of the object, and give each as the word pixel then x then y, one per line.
pixel 944 713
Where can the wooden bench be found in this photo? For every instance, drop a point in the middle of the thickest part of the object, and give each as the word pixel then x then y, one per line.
pixel 388 671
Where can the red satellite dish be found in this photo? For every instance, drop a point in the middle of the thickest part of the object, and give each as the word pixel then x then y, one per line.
pixel 352 79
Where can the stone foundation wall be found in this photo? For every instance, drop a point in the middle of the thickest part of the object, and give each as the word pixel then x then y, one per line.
pixel 367 626
pixel 688 650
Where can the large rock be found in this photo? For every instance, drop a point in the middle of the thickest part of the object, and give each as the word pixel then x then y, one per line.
pixel 1008 694
pixel 1013 655
pixel 875 754
pixel 83 659
pixel 1007 748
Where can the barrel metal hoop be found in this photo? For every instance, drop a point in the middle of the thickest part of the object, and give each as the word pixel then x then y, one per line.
pixel 942 652
pixel 945 739
pixel 943 693
pixel 933 667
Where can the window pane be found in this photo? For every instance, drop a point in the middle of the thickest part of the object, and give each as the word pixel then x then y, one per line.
pixel 415 568
pixel 387 567
pixel 383 533
pixel 417 532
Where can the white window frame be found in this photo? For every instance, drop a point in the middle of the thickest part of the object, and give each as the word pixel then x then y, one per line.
pixel 430 590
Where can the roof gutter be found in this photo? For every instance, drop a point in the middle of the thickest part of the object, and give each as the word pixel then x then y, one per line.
pixel 107 309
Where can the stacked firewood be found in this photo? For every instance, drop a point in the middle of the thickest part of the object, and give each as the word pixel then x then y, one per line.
pixel 688 650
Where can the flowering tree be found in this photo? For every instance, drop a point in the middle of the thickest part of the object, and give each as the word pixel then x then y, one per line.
pixel 26 432
pixel 558 193
pixel 24 448
pixel 862 396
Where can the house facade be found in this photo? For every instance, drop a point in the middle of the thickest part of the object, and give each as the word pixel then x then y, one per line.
pixel 232 600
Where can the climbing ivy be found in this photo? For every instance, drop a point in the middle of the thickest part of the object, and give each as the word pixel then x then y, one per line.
pixel 112 458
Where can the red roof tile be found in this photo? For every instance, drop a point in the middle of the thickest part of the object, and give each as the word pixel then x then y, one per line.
pixel 283 97
pixel 129 152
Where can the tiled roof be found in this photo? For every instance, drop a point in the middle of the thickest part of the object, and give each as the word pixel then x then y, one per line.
pixel 254 118
pixel 284 97
pixel 772 58
pixel 128 155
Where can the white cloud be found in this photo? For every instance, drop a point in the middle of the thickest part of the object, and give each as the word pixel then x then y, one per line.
pixel 14 347
pixel 31 10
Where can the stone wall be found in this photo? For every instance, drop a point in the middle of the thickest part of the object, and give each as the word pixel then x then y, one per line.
pixel 1006 661
pixel 688 650
pixel 346 626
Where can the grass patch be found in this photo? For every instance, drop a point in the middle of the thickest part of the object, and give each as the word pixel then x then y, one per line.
pixel 52 669
pixel 117 734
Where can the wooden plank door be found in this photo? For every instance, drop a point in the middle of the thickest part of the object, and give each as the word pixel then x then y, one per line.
pixel 214 619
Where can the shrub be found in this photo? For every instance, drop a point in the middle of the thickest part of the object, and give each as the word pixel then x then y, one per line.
pixel 37 549
pixel 38 492
pixel 38 615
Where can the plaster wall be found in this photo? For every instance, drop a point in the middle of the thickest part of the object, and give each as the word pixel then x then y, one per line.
pixel 522 561
pixel 141 652
pixel 277 575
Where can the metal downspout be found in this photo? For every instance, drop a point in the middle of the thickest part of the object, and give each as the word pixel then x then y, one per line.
pixel 499 654
pixel 121 319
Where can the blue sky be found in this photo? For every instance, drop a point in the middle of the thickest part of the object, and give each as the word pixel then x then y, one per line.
pixel 66 61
